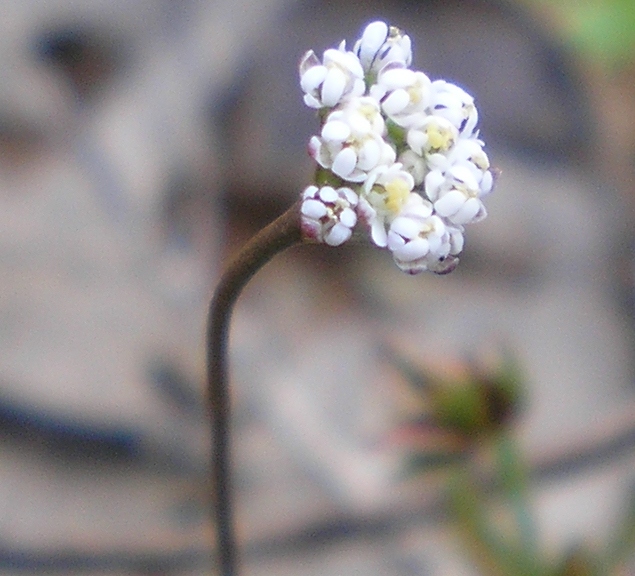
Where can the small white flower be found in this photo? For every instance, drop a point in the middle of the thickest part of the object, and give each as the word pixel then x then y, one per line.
pixel 467 152
pixel 351 142
pixel 420 240
pixel 455 195
pixel 470 152
pixel 381 44
pixel 417 236
pixel 328 214
pixel 432 135
pixel 327 84
pixel 455 104
pixel 404 94
pixel 384 194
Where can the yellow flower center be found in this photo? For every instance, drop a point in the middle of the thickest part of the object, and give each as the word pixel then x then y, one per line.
pixel 439 138
pixel 397 192
pixel 414 93
pixel 425 230
pixel 368 111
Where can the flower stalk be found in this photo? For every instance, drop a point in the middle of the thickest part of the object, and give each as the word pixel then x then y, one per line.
pixel 274 238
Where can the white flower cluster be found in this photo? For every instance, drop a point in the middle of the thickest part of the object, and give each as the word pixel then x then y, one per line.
pixel 396 151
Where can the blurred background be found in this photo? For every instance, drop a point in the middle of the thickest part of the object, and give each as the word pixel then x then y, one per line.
pixel 141 142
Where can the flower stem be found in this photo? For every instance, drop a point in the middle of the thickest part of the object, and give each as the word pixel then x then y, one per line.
pixel 276 237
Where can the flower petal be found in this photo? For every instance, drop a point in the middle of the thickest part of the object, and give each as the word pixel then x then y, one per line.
pixel 395 241
pixel 348 217
pixel 338 235
pixel 413 250
pixel 312 101
pixel 312 78
pixel 333 87
pixel 487 183
pixel 406 227
pixel 313 209
pixel 450 203
pixel 309 192
pixel 328 194
pixel 309 60
pixel 350 196
pixel 467 212
pixel 372 40
pixel 369 155
pixel 336 131
pixel 433 182
pixel 378 233
pixel 396 102
pixel 344 163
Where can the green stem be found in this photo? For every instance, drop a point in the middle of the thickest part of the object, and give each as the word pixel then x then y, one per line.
pixel 513 477
pixel 276 237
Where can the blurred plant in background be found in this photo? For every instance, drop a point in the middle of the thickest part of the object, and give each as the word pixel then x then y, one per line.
pixel 603 30
pixel 600 34
pixel 461 423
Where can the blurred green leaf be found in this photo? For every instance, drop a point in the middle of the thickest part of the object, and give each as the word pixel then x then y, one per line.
pixel 601 29
pixel 431 461
pixel 512 476
pixel 472 403
pixel 494 553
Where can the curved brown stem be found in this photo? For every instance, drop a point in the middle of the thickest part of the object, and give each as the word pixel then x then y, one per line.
pixel 277 236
